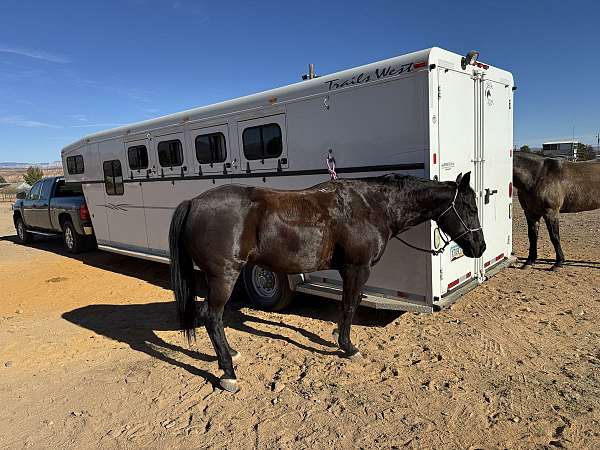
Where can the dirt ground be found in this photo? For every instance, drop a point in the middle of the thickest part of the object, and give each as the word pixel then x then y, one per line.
pixel 90 358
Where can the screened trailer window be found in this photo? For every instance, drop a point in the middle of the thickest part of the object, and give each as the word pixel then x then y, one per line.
pixel 113 177
pixel 170 153
pixel 75 164
pixel 210 148
pixel 138 157
pixel 262 142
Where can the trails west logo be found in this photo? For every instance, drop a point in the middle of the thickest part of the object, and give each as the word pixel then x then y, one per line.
pixel 365 77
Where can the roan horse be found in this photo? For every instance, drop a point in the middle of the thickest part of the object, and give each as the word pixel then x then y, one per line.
pixel 343 225
pixel 549 186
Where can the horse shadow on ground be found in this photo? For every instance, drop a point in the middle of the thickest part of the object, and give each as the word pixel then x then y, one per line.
pixel 136 324
pixel 549 263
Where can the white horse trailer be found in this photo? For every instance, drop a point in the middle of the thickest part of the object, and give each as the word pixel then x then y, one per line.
pixel 430 114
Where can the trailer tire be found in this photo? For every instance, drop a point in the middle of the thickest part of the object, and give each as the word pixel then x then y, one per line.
pixel 267 290
pixel 74 243
pixel 24 236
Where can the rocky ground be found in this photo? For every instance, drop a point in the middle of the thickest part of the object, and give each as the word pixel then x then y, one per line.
pixel 90 358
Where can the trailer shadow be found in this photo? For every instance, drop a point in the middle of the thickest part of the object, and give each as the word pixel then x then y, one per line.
pixel 136 325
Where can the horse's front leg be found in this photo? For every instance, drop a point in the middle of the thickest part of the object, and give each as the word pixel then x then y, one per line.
pixel 533 226
pixel 354 278
pixel 551 219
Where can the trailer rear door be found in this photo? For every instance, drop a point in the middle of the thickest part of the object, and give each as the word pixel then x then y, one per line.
pixel 496 158
pixel 456 129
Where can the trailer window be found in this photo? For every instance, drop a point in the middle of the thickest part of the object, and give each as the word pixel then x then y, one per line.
pixel 138 157
pixel 262 142
pixel 210 148
pixel 75 164
pixel 170 153
pixel 113 177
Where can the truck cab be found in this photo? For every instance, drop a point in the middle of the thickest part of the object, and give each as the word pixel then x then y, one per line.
pixel 53 207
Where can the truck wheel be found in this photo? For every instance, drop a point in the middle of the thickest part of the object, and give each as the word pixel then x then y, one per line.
pixel 267 290
pixel 24 236
pixel 73 241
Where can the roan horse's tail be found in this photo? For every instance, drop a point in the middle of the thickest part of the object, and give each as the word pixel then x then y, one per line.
pixel 182 273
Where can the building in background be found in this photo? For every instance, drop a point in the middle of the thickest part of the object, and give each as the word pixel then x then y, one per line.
pixel 561 149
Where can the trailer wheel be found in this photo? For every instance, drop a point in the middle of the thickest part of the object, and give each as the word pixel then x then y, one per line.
pixel 267 290
pixel 73 241
pixel 24 236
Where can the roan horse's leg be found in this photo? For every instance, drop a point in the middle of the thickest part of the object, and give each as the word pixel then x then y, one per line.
pixel 551 219
pixel 354 278
pixel 219 291
pixel 533 227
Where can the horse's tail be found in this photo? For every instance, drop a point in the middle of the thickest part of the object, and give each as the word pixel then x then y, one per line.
pixel 183 281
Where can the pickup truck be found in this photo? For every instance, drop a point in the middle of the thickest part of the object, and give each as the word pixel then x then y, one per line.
pixel 53 207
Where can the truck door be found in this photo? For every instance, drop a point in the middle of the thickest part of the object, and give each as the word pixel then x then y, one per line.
pixel 496 106
pixel 29 211
pixel 456 155
pixel 41 212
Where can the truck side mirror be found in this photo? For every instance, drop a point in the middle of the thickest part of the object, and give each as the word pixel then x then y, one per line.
pixel 21 195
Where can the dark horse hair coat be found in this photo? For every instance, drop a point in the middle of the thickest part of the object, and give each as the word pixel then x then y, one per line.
pixel 547 187
pixel 343 225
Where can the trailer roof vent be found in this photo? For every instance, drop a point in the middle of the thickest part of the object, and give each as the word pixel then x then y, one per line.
pixel 470 59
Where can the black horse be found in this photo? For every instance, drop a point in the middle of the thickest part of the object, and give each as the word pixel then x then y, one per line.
pixel 547 187
pixel 343 225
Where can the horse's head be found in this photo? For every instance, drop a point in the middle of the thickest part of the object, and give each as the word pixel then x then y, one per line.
pixel 461 221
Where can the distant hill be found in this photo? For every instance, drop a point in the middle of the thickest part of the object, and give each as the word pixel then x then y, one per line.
pixel 21 165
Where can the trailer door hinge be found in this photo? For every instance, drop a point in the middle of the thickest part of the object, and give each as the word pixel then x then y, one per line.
pixel 509 103
pixel 439 92
pixel 441 274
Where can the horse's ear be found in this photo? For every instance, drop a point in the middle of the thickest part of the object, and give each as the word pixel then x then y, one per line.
pixel 459 178
pixel 463 183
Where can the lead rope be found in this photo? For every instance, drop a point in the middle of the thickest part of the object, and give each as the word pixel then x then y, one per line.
pixel 330 161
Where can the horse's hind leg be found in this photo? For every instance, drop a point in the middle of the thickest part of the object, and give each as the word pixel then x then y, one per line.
pixel 552 224
pixel 533 227
pixel 219 291
pixel 354 278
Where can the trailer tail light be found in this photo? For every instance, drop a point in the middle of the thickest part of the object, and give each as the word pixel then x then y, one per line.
pixel 84 212
pixel 510 189
pixel 435 158
pixel 420 64
pixel 510 152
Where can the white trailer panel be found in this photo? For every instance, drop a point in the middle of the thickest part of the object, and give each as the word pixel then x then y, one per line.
pixel 422 114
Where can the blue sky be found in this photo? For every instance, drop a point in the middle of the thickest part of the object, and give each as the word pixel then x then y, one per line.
pixel 69 68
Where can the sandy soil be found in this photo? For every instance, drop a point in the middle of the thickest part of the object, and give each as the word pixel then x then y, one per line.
pixel 90 358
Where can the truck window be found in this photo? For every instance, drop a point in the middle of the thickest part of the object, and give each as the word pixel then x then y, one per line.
pixel 210 148
pixel 138 157
pixel 170 153
pixel 34 192
pixel 113 177
pixel 67 189
pixel 46 189
pixel 262 142
pixel 75 164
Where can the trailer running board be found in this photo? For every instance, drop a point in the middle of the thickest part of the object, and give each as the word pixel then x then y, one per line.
pixel 368 300
pixel 373 300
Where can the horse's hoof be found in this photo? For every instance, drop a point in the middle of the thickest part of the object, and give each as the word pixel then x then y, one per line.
pixel 230 385
pixel 236 356
pixel 355 356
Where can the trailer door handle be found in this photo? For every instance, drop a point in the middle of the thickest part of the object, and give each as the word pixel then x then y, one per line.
pixel 488 193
